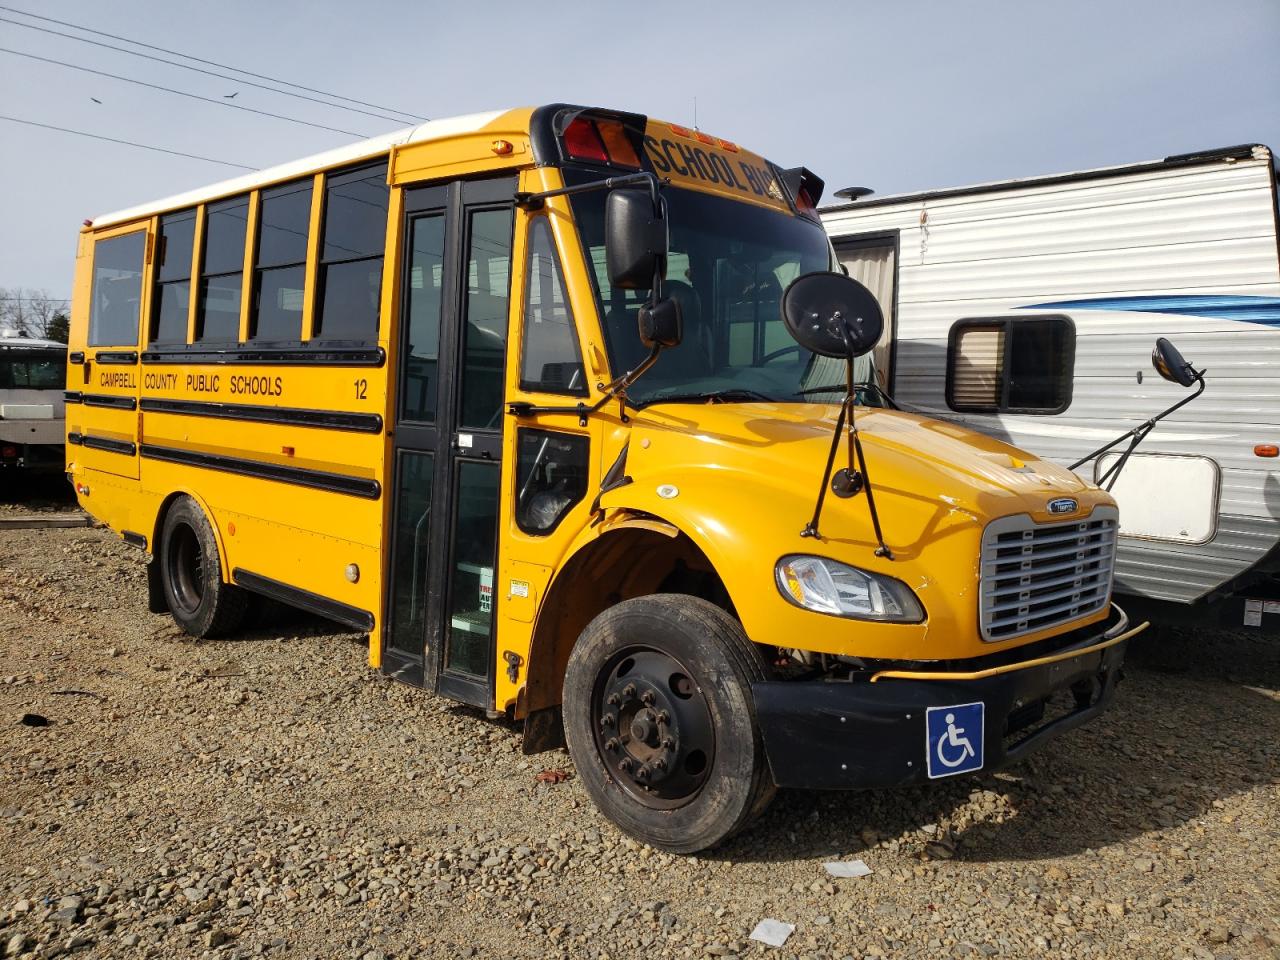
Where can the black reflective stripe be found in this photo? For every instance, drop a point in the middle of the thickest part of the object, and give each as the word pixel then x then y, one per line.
pixel 316 479
pixel 106 400
pixel 75 438
pixel 344 613
pixel 135 539
pixel 117 356
pixel 317 356
pixel 107 444
pixel 72 396
pixel 291 416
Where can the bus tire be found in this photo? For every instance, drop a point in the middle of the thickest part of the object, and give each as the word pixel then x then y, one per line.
pixel 660 721
pixel 190 571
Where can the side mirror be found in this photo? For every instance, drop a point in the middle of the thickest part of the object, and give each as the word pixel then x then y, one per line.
pixel 635 243
pixel 1170 365
pixel 661 323
pixel 832 315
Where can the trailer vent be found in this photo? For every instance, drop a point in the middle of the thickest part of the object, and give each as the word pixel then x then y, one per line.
pixel 1039 575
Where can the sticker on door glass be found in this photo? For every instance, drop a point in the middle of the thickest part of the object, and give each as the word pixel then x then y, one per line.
pixel 953 739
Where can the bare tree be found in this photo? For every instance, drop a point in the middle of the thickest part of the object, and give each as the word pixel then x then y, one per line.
pixel 33 313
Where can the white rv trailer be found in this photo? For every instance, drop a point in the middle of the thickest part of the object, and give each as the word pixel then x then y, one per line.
pixel 1028 309
pixel 33 376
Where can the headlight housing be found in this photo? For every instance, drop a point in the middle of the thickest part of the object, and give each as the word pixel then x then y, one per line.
pixel 827 586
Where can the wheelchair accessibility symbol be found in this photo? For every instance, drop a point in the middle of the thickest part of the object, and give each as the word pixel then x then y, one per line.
pixel 954 739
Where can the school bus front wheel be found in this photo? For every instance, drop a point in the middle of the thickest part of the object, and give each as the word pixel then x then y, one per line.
pixel 660 722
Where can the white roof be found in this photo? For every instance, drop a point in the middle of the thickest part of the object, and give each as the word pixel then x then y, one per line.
pixel 339 156
pixel 14 339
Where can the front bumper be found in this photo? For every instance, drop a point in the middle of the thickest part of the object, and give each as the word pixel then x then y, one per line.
pixel 829 735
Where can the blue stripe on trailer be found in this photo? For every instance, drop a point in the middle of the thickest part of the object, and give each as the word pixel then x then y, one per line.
pixel 1250 309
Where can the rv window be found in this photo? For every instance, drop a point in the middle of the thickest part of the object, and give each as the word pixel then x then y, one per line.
pixel 1016 365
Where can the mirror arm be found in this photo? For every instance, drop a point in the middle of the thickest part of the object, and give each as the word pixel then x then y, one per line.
pixel 534 201
pixel 1135 437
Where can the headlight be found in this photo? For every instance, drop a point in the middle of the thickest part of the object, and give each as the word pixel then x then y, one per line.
pixel 826 586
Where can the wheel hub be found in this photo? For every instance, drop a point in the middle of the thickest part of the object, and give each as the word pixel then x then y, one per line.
pixel 654 727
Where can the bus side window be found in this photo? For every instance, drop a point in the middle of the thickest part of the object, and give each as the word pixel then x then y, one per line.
pixel 222 274
pixel 280 262
pixel 172 301
pixel 550 360
pixel 350 277
pixel 551 477
pixel 117 290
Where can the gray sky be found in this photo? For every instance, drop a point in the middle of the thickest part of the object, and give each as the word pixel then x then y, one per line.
pixel 897 96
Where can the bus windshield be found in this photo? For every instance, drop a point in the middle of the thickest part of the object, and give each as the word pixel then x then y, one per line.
pixel 728 266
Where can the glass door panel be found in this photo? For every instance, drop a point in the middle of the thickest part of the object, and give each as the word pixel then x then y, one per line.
pixel 471 569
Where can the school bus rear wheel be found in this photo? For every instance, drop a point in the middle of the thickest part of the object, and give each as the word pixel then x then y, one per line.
pixel 660 722
pixel 201 603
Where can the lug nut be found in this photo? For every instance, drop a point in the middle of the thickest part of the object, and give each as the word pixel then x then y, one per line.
pixel 648 696
pixel 660 763
pixel 664 716
pixel 643 773
pixel 625 764
pixel 629 690
pixel 607 720
pixel 613 700
pixel 668 743
pixel 611 744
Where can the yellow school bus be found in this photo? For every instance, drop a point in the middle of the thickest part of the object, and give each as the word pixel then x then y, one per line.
pixel 546 402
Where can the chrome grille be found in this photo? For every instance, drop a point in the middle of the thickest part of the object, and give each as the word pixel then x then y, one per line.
pixel 1040 575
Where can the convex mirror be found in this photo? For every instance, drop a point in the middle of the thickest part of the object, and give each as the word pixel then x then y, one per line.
pixel 832 315
pixel 635 244
pixel 1170 364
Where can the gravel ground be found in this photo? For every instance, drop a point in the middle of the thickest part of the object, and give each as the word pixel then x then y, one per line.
pixel 269 795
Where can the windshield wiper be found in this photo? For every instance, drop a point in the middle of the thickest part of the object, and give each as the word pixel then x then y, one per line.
pixel 728 395
pixel 858 388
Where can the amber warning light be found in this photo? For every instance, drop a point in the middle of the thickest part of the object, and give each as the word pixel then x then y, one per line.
pixel 1266 450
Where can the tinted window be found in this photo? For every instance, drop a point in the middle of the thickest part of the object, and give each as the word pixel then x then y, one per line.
pixel 550 359
pixel 551 476
pixel 355 230
pixel 172 302
pixel 222 273
pixel 33 372
pixel 284 219
pixel 1022 365
pixel 484 343
pixel 117 290
pixel 421 346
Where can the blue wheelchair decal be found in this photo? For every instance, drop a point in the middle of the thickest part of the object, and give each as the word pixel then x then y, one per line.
pixel 953 739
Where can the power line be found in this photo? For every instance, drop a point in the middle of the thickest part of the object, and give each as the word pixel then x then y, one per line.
pixel 35 299
pixel 127 143
pixel 187 66
pixel 180 93
pixel 213 63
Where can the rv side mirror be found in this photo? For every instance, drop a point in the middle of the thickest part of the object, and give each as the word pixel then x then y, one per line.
pixel 661 323
pixel 635 240
pixel 832 315
pixel 1170 365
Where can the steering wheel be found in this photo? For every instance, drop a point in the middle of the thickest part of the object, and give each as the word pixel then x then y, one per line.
pixel 770 357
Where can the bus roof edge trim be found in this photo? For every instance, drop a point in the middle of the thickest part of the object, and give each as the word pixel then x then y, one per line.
pixel 337 157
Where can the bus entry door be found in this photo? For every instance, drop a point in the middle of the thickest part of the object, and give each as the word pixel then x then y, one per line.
pixel 455 293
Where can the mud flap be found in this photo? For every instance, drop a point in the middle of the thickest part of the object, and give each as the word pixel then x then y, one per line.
pixel 155 587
